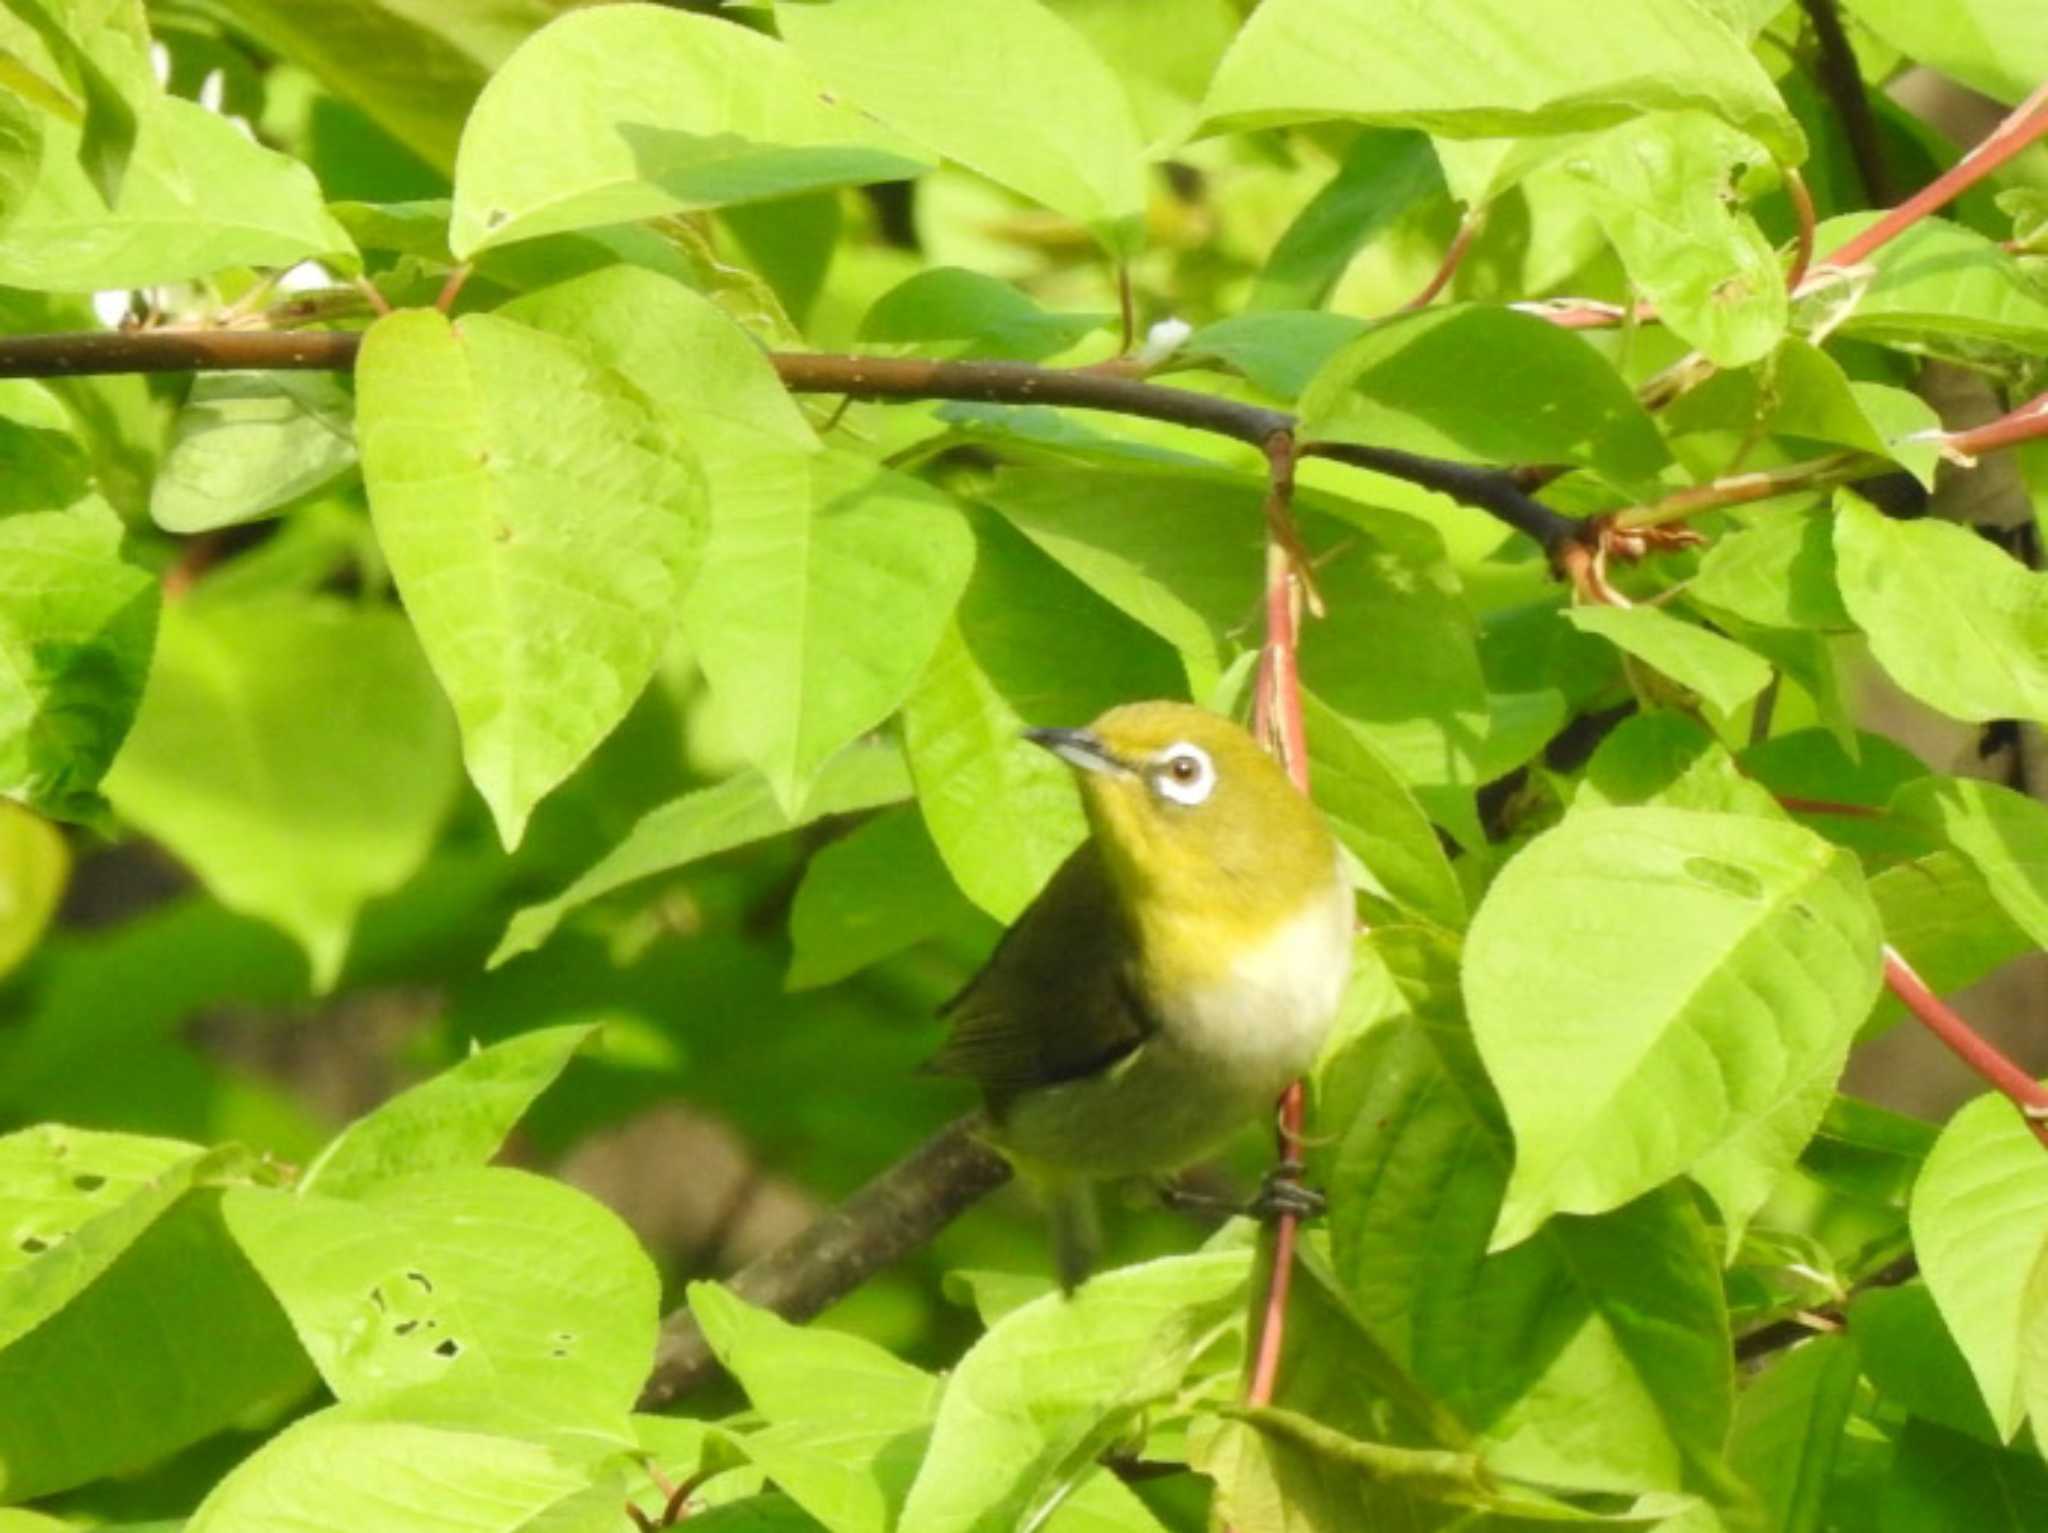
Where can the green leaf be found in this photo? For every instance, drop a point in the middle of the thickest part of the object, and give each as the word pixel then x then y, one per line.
pixel 130 1326
pixel 1911 1359
pixel 1779 571
pixel 1669 760
pixel 524 1300
pixel 1722 672
pixel 414 70
pixel 1987 44
pixel 34 867
pixel 1164 70
pixel 827 578
pixel 1867 1151
pixel 248 443
pixel 21 141
pixel 1378 821
pixel 198 196
pixel 1550 397
pixel 1051 1385
pixel 1386 173
pixel 1980 1220
pixel 869 896
pixel 1955 621
pixel 830 601
pixel 704 823
pixel 840 1410
pixel 109 118
pixel 1280 350
pixel 340 768
pixel 1788 1431
pixel 542 521
pixel 1628 951
pixel 1816 399
pixel 948 312
pixel 458 1118
pixel 1009 90
pixel 1595 1353
pixel 1941 1480
pixel 1493 69
pixel 331 1474
pixel 1940 288
pixel 1663 188
pixel 1030 646
pixel 1941 915
pixel 77 624
pixel 618 113
pixel 2003 834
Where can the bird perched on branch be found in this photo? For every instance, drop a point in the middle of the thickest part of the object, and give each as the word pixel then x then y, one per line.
pixel 1180 968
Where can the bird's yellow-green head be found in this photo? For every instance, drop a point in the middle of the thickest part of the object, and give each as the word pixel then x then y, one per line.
pixel 1191 813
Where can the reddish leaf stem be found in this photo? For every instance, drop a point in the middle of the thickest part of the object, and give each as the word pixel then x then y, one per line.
pixel 2029 421
pixel 1802 209
pixel 1962 1040
pixel 2024 124
pixel 1277 719
pixel 1468 228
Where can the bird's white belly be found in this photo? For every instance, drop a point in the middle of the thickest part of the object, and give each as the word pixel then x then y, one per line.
pixel 1221 1057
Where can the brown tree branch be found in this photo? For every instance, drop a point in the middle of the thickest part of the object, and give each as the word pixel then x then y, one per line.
pixel 898 1212
pixel 1494 491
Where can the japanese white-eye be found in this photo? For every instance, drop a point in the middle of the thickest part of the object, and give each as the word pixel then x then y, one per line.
pixel 1177 971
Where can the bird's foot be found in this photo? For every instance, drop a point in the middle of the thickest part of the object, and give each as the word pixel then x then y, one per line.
pixel 1282 1193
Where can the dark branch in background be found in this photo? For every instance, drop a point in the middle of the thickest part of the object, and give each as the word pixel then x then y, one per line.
pixel 1780 1334
pixel 1842 81
pixel 896 1213
pixel 1494 491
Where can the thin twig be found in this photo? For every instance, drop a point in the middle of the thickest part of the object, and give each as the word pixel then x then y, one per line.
pixel 1802 209
pixel 2025 424
pixel 1278 720
pixel 1742 489
pixel 1468 229
pixel 1967 1044
pixel 2025 123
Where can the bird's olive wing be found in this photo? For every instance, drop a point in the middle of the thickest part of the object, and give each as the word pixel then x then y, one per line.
pixel 1055 1002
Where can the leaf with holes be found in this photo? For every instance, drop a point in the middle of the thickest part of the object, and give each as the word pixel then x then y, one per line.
pixel 1661 991
pixel 518 1298
pixel 1660 187
pixel 113 1241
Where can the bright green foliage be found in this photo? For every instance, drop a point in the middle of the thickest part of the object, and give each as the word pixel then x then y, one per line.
pixel 488 821
pixel 1631 954
pixel 541 522
pixel 295 752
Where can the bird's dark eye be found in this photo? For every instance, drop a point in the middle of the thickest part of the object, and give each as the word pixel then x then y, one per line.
pixel 1183 773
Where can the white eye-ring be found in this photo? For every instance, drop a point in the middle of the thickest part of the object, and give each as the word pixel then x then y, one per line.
pixel 1184 773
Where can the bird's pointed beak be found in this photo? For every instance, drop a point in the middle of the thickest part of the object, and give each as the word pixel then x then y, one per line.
pixel 1077 748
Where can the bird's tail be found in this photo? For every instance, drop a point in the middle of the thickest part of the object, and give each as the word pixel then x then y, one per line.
pixel 1076 1231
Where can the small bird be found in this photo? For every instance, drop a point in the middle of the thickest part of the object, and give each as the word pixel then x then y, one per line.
pixel 1179 969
